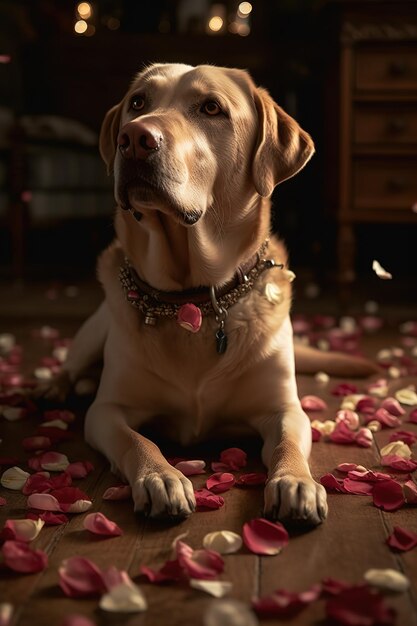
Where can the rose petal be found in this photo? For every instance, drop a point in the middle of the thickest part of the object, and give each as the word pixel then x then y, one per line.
pixel 170 571
pixel 410 492
pixel 357 488
pixel 384 418
pixel 397 447
pixel 364 438
pixel 344 389
pixel 56 423
pixel 229 613
pixel 216 588
pixel 58 414
pixel 331 483
pixel 72 499
pixel 207 500
pixel 315 434
pixel 359 606
pixel 366 404
pixel 56 435
pixel 220 482
pixel 387 579
pixel 99 524
pixel 413 417
pixel 54 461
pixel 234 458
pixel 3 501
pixel 8 460
pixel 402 539
pixel 393 406
pixel 31 444
pixel 285 604
pixel 350 418
pixel 77 620
pixel 223 541
pixel 79 577
pixel 388 495
pixel 43 501
pixel 124 598
pixel 313 403
pixel 201 564
pixel 333 586
pixel 120 492
pixel 37 483
pixel 19 557
pixel 50 518
pixel 406 396
pixel 23 529
pixel 368 476
pixel 79 469
pixel 14 413
pixel 407 436
pixel 380 271
pixel 251 480
pixel 6 613
pixel 399 463
pixel 191 468
pixel 347 467
pixel 342 434
pixel 264 537
pixel 14 478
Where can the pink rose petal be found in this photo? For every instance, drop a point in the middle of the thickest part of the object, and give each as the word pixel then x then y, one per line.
pixel 191 468
pixel 350 418
pixel 364 438
pixel 346 467
pixel 43 501
pixel 285 604
pixel 220 482
pixel 331 483
pixel 407 436
pixel 388 495
pixel 366 405
pixel 79 469
pixel 202 564
pixel 384 418
pixel 398 463
pixel 357 488
pixel 119 492
pixel 19 557
pixel 31 444
pixel 413 416
pixel 216 466
pixel 205 499
pixel 190 317
pixel 264 537
pixel 234 458
pixel 3 501
pixel 392 406
pixel 410 492
pixel 342 434
pixel 402 539
pixel 313 403
pixel 344 389
pixel 170 571
pixel 359 606
pixel 251 480
pixel 77 620
pixel 369 476
pixel 80 577
pixel 99 524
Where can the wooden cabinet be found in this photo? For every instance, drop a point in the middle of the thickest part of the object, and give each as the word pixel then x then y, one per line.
pixel 371 135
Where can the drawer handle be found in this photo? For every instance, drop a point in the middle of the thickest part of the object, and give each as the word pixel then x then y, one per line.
pixel 396 185
pixel 397 125
pixel 398 69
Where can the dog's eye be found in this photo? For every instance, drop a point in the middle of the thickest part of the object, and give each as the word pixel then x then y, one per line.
pixel 137 103
pixel 211 107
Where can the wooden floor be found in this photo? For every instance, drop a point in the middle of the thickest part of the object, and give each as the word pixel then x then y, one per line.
pixel 350 542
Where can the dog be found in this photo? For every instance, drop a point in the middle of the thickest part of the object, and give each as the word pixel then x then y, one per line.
pixel 194 330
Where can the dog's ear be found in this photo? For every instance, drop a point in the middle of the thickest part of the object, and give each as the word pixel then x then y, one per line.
pixel 282 148
pixel 108 136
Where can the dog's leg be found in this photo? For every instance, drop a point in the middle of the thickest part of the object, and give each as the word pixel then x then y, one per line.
pixel 290 493
pixel 86 350
pixel 158 489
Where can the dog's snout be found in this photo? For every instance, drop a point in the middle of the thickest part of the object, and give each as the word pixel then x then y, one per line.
pixel 138 140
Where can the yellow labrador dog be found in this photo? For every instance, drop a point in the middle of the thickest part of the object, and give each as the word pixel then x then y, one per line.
pixel 195 326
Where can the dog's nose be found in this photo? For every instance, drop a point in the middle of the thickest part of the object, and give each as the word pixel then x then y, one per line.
pixel 137 140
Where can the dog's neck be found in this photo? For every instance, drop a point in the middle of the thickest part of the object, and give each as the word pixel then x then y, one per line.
pixel 172 257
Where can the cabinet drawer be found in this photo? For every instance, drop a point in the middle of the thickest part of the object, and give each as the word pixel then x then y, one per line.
pixel 385 125
pixel 386 69
pixel 384 184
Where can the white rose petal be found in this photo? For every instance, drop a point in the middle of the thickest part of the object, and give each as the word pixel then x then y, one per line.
pixel 406 396
pixel 56 424
pixel 389 579
pixel 43 373
pixel 7 342
pixel 216 588
pixel 347 323
pixel 13 413
pixel 223 541
pixel 273 293
pixel 80 506
pixel 26 529
pixel 322 378
pixel 384 355
pixel 398 448
pixel 229 613
pixel 323 345
pixel 374 426
pixel 380 271
pixel 60 465
pixel 328 427
pixel 394 372
pixel 14 478
pixel 124 598
pixel 60 353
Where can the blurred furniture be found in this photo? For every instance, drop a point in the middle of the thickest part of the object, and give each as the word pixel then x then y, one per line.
pixel 371 118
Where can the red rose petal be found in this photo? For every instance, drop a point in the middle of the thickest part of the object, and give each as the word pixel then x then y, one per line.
pixel 313 403
pixel 315 434
pixel 37 483
pixel 54 434
pixel 220 482
pixel 331 483
pixel 234 458
pixel 9 460
pixel 285 604
pixel 342 434
pixel 57 414
pixel 264 537
pixel 407 436
pixel 384 418
pixel 369 476
pixel 344 389
pixel 3 501
pixel 31 444
pixel 388 495
pixel 19 557
pixel 357 488
pixel 410 492
pixel 413 416
pixel 79 577
pixel 402 539
pixel 205 499
pixel 202 564
pixel 99 524
pixel 170 571
pixel 398 463
pixel 359 606
pixel 333 586
pixel 50 518
pixel 251 480
pixel 366 405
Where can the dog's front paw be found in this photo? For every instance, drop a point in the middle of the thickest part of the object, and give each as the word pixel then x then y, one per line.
pixel 293 499
pixel 164 494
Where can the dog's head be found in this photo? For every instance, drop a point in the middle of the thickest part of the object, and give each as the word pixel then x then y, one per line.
pixel 184 139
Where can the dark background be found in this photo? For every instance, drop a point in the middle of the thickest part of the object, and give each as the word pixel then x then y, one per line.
pixel 52 70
